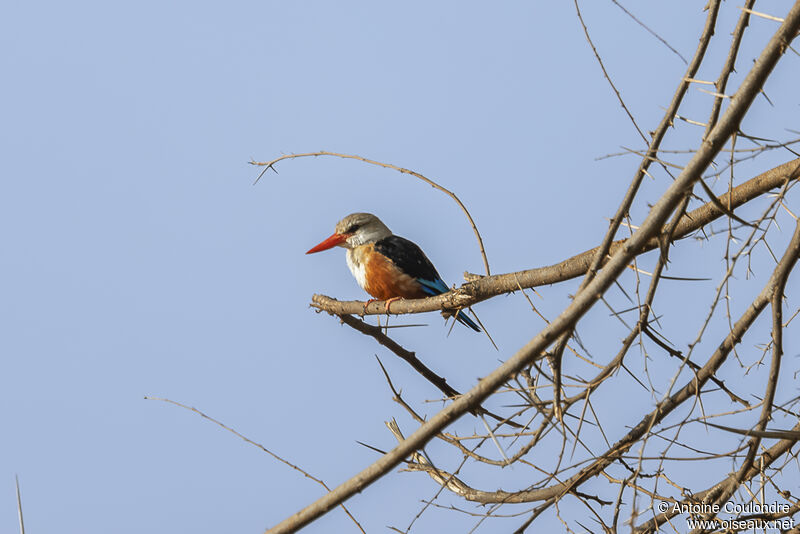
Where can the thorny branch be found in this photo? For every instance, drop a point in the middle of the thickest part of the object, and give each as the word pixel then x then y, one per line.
pixel 271 165
pixel 490 286
pixel 260 446
pixel 672 391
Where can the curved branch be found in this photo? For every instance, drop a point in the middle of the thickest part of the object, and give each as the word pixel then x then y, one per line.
pixel 411 358
pixel 271 165
pixel 584 300
pixel 695 383
pixel 605 72
pixel 256 444
pixel 773 287
pixel 766 459
pixel 730 64
pixel 658 135
pixel 491 286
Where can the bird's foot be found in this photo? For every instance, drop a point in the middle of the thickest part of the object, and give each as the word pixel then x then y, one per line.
pixel 389 303
pixel 370 301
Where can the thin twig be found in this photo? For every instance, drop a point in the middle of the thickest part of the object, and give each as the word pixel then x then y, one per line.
pixel 260 446
pixel 584 300
pixel 490 286
pixel 271 165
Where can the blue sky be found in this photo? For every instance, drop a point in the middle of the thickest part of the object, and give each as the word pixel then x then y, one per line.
pixel 139 258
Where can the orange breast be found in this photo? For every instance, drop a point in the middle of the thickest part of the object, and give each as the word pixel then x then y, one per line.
pixel 385 281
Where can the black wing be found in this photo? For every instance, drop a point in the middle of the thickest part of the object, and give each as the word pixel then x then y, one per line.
pixel 410 259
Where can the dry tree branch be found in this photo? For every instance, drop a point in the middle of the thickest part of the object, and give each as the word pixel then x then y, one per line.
pixel 585 299
pixel 417 462
pixel 762 15
pixel 775 367
pixel 694 385
pixel 646 330
pixel 601 252
pixel 772 291
pixel 271 165
pixel 411 358
pixel 768 434
pixel 651 32
pixel 722 82
pixel 647 159
pixel 490 286
pixel 658 135
pixel 605 72
pixel 451 439
pixel 775 284
pixel 260 446
pixel 766 459
pixel 19 507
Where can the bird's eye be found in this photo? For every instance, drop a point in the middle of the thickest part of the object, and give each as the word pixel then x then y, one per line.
pixel 352 228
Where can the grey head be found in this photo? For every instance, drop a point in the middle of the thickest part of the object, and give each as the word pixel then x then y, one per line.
pixel 360 229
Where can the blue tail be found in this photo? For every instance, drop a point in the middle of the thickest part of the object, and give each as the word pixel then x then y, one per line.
pixel 437 287
pixel 462 317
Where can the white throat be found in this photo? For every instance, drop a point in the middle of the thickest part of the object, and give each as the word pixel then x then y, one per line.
pixel 355 261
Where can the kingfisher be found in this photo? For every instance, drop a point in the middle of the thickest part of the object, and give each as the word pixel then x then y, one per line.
pixel 387 266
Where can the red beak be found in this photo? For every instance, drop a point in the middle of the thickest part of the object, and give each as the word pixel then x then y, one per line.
pixel 331 242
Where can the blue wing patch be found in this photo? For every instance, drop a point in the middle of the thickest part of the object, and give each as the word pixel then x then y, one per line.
pixel 410 259
pixel 437 287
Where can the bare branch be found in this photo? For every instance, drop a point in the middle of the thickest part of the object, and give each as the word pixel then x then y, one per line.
pixel 588 296
pixel 271 165
pixel 260 446
pixel 490 286
pixel 411 358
